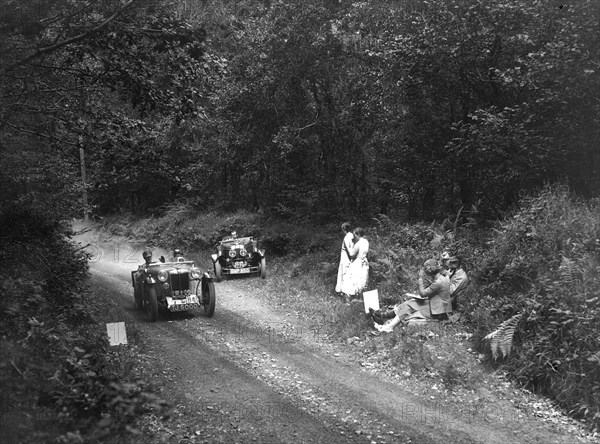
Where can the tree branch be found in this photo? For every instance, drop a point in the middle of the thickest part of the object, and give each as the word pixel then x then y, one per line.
pixel 43 136
pixel 307 126
pixel 74 39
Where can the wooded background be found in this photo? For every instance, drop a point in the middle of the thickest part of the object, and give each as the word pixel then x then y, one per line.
pixel 196 117
pixel 312 109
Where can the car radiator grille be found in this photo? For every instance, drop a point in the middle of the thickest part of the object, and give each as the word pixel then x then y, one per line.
pixel 180 282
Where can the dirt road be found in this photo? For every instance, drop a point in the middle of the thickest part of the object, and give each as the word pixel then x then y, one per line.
pixel 253 373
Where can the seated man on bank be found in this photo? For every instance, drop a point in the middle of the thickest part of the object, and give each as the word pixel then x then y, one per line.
pixel 434 288
pixel 458 279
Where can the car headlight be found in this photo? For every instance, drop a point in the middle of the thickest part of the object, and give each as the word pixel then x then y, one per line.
pixel 196 274
pixel 163 275
pixel 231 253
pixel 243 252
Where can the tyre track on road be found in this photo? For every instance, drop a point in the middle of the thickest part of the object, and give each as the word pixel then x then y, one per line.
pixel 248 401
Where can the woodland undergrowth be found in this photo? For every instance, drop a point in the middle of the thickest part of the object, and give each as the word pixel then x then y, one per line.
pixel 61 381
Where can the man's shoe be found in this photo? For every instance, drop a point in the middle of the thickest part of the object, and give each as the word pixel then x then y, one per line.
pixel 370 314
pixel 378 318
pixel 374 316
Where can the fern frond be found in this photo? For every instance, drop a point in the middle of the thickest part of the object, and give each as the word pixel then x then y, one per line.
pixel 492 334
pixel 569 273
pixel 501 338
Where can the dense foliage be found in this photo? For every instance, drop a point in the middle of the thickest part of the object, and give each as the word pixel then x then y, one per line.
pixel 544 263
pixel 419 107
pixel 59 379
pixel 302 109
pixel 103 83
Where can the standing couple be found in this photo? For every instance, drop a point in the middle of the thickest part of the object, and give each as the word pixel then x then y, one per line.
pixel 353 271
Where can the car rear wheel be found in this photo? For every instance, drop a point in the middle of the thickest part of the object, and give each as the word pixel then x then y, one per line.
pixel 218 272
pixel 151 304
pixel 262 270
pixel 208 297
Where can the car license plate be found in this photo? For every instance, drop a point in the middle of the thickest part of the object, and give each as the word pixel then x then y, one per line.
pixel 239 270
pixel 188 303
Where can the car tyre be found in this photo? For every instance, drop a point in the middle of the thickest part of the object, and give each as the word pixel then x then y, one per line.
pixel 262 270
pixel 208 297
pixel 139 300
pixel 151 304
pixel 218 272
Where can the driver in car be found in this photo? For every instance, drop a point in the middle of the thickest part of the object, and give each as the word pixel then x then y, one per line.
pixel 147 255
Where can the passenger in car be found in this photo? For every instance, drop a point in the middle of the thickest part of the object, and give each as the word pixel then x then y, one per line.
pixel 177 256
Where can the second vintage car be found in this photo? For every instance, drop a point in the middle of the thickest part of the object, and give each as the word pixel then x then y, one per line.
pixel 175 286
pixel 239 255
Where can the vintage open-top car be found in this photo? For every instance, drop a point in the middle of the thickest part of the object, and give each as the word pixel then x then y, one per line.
pixel 176 286
pixel 239 255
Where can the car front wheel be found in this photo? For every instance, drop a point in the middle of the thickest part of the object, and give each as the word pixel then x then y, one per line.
pixel 218 272
pixel 139 300
pixel 151 304
pixel 262 271
pixel 208 298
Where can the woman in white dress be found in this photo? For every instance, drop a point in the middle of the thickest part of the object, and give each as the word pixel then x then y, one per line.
pixel 345 258
pixel 355 280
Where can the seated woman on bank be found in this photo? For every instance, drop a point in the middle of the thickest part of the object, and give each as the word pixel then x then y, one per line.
pixel 434 288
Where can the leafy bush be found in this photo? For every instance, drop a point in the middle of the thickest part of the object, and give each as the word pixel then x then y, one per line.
pixel 544 263
pixel 58 351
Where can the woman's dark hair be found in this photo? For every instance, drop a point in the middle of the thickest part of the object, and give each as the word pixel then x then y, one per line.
pixel 346 226
pixel 432 267
pixel 359 231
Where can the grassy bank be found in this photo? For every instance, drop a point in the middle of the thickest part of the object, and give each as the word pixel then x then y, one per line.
pixel 540 266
